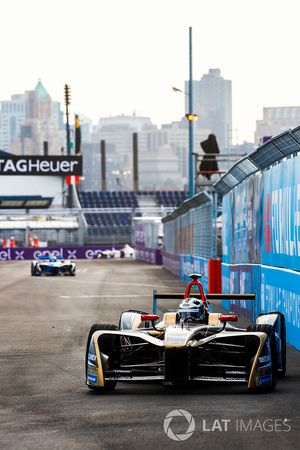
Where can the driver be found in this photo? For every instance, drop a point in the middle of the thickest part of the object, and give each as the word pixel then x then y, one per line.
pixel 194 310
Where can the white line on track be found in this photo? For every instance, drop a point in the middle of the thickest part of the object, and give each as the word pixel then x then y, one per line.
pixel 117 284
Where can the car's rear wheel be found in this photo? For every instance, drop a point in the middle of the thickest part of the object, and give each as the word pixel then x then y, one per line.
pixel 34 270
pixel 107 347
pixel 268 329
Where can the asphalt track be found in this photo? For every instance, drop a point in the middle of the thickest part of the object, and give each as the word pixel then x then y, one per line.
pixel 44 403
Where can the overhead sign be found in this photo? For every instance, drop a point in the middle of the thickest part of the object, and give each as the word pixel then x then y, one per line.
pixel 41 165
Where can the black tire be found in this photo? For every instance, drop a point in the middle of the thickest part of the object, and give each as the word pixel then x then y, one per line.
pixel 282 372
pixel 268 329
pixel 107 344
pixel 263 328
pixel 34 272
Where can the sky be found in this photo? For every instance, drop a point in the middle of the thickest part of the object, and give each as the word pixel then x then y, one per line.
pixel 124 56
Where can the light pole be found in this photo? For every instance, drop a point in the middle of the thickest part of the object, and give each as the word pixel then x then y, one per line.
pixel 191 118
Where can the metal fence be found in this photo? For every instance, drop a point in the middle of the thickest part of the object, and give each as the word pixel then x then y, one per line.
pixel 191 229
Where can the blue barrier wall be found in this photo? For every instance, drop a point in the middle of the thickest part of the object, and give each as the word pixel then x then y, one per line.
pixel 260 233
pixel 280 291
pixel 244 279
pixel 281 224
pixel 276 289
pixel 194 264
pixel 261 244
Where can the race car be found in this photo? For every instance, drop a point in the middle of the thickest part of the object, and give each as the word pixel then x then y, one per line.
pixel 190 345
pixel 52 265
pixel 125 252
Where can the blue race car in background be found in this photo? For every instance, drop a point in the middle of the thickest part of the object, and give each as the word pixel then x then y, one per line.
pixel 52 265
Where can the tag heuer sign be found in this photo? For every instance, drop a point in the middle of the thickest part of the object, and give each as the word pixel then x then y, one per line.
pixel 41 165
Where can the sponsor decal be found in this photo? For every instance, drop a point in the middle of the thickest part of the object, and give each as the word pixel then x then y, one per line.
pixel 56 252
pixel 92 378
pixel 91 254
pixel 41 165
pixel 265 379
pixel 5 255
pixel 71 254
pixel 265 359
pixel 19 254
pixel 62 253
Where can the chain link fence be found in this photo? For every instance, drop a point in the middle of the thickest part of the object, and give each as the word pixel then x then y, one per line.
pixel 192 228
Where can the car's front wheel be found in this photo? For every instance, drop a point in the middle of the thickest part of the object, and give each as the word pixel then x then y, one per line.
pixel 107 347
pixel 268 329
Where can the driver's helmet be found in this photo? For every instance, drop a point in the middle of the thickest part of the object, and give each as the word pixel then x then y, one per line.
pixel 193 309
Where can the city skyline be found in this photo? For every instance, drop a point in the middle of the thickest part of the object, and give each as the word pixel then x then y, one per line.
pixel 121 59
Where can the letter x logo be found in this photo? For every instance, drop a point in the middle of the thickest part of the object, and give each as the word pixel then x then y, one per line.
pixel 19 255
pixel 72 254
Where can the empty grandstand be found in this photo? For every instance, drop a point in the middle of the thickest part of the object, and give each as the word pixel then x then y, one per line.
pixel 129 199
pixel 109 214
pixel 96 217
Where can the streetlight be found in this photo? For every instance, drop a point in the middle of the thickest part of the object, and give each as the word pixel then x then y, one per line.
pixel 191 132
pixel 191 118
pixel 175 89
pixel 188 116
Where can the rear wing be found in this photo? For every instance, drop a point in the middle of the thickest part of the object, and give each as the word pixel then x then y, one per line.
pixel 179 296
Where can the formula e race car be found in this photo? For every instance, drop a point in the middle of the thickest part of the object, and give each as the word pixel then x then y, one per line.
pixel 125 252
pixel 52 265
pixel 190 345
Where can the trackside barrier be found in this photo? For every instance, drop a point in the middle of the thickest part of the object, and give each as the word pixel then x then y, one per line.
pixel 25 253
pixel 191 230
pixel 276 289
pixel 261 230
pixel 193 264
pixel 242 278
pixel 148 232
pixel 214 275
pixel 178 296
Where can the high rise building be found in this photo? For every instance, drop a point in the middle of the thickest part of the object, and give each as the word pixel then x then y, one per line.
pixel 276 120
pixel 117 132
pixel 212 101
pixel 29 119
pixel 12 116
